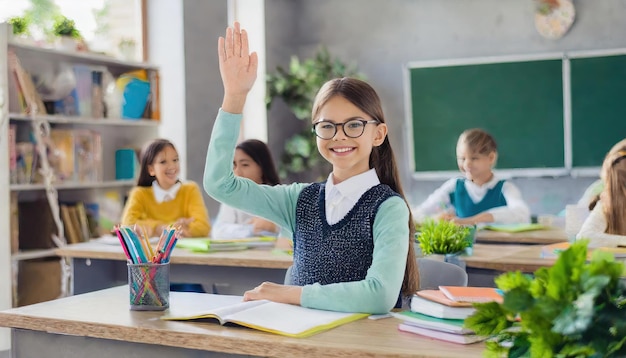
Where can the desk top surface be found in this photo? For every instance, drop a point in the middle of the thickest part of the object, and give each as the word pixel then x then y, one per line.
pixel 544 237
pixel 499 257
pixel 525 258
pixel 105 314
pixel 257 258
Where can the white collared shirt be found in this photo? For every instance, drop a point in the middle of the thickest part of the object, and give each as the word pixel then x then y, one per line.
pixel 341 198
pixel 161 195
pixel 516 211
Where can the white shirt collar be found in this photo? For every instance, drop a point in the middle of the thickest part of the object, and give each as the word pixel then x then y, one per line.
pixel 488 185
pixel 162 195
pixel 352 188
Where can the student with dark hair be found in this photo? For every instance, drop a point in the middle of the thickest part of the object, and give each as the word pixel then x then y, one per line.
pixel 480 196
pixel 352 234
pixel 161 199
pixel 253 160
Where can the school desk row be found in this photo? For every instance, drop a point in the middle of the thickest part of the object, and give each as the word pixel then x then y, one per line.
pixel 97 266
pixel 100 324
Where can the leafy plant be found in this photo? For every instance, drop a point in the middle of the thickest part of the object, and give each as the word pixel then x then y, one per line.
pixel 65 27
pixel 19 24
pixel 572 309
pixel 297 87
pixel 443 237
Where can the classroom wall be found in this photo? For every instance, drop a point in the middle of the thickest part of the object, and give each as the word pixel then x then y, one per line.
pixel 203 21
pixel 382 36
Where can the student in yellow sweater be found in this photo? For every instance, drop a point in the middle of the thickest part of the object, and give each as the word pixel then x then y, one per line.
pixel 161 199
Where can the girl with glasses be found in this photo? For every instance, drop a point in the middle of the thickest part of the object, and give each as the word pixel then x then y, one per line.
pixel 352 234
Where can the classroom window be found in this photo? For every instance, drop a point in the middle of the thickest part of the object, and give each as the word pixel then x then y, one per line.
pixel 112 27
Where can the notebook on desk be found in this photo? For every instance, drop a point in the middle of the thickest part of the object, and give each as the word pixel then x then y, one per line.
pixel 279 318
pixel 514 227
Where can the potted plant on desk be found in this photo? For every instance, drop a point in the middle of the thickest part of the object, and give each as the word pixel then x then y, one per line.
pixel 445 239
pixel 576 308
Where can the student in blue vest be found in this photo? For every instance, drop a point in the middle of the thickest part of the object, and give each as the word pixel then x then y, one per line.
pixel 352 234
pixel 480 196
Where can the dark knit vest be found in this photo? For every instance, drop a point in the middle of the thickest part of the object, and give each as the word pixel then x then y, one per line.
pixel 341 252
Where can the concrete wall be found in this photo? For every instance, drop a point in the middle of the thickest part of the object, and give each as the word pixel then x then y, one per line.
pixel 380 37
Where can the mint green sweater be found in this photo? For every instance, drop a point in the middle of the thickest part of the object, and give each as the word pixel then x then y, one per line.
pixel 378 292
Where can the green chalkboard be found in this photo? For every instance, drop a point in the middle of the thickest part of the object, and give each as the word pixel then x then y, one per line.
pixel 519 103
pixel 598 107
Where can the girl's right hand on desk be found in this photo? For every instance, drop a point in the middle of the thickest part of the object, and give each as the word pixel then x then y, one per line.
pixel 274 292
pixel 238 68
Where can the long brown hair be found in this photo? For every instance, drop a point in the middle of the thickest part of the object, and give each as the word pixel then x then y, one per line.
pixel 148 154
pixel 260 153
pixel 363 96
pixel 614 195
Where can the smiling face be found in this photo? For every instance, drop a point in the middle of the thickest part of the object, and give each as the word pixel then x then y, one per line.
pixel 349 156
pixel 475 166
pixel 244 166
pixel 165 167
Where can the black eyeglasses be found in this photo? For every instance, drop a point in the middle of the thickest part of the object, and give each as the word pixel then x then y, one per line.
pixel 353 128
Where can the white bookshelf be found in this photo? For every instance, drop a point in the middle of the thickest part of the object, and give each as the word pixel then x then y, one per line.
pixel 115 133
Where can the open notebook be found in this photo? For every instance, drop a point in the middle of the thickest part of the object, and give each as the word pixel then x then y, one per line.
pixel 279 318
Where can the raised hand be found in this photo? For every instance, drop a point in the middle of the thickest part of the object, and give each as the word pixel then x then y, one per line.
pixel 238 68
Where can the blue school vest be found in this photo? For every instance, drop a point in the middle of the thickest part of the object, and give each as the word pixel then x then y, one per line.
pixel 465 207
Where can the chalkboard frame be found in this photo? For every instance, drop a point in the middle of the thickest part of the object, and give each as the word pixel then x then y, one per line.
pixel 567 170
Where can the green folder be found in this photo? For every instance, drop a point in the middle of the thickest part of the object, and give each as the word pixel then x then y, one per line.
pixel 514 227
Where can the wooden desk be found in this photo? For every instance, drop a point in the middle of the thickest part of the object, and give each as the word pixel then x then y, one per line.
pixel 502 258
pixel 96 266
pixel 543 237
pixel 100 324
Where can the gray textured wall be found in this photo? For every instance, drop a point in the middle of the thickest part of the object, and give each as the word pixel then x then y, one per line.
pixel 380 37
pixel 204 21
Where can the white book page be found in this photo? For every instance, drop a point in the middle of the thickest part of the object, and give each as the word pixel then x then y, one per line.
pixel 187 305
pixel 284 317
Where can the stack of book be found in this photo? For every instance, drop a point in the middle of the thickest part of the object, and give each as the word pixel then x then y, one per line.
pixel 440 314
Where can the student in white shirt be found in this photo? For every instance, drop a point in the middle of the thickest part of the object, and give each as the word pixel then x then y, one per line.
pixel 606 224
pixel 253 160
pixel 480 196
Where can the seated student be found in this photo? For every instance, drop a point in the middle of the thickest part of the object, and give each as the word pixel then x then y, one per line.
pixel 353 234
pixel 606 224
pixel 161 199
pixel 592 193
pixel 480 197
pixel 253 160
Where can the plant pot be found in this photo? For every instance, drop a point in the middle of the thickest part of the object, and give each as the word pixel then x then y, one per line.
pixel 66 43
pixel 455 259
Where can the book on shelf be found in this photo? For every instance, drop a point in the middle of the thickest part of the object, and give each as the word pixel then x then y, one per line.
pixel 443 336
pixel 279 318
pixel 12 154
pixel 14 223
pixel 32 102
pixel 71 235
pixel 471 293
pixel 428 307
pixel 36 225
pixel 441 324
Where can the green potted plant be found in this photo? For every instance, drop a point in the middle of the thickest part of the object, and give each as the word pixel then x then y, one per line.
pixel 442 237
pixel 576 308
pixel 297 87
pixel 20 26
pixel 67 33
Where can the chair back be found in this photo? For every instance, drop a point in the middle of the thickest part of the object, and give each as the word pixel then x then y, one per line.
pixel 433 273
pixel 288 280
